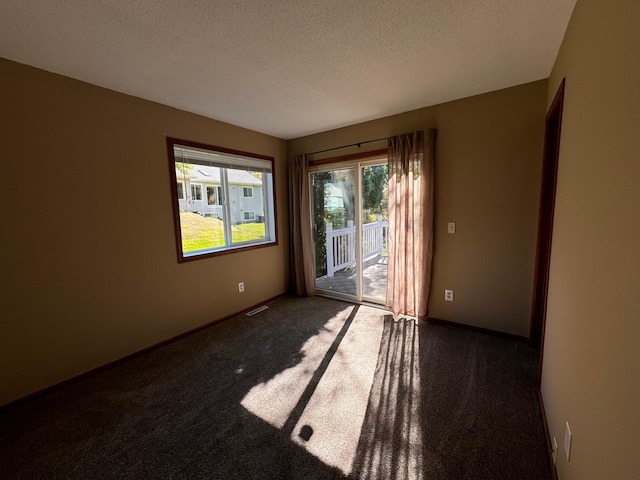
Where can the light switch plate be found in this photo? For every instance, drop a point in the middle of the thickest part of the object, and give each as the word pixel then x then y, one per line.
pixel 451 227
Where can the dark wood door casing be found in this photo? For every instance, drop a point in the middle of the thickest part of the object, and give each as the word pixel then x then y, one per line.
pixel 553 122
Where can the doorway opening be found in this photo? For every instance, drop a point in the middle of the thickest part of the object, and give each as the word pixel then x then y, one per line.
pixel 349 223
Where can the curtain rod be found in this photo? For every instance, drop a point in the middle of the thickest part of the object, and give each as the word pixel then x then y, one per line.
pixel 347 146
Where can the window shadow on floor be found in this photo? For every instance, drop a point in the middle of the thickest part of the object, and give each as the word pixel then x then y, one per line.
pixel 451 403
pixel 176 412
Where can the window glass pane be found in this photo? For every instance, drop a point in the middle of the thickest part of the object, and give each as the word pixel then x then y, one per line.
pixel 334 232
pixel 201 227
pixel 248 218
pixel 212 195
pixel 180 190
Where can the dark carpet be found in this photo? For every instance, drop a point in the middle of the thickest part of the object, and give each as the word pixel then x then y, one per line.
pixel 309 389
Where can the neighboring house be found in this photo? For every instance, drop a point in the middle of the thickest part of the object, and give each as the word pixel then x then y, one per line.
pixel 200 191
pixel 333 196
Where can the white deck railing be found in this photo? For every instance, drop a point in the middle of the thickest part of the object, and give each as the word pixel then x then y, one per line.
pixel 341 244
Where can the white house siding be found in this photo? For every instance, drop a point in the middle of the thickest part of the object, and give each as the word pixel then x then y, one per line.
pixel 239 203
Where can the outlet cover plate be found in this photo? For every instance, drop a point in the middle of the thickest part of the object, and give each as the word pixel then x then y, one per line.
pixel 448 295
pixel 567 440
pixel 554 452
pixel 451 227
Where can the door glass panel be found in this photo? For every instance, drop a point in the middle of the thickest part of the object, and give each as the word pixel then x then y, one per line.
pixel 334 231
pixel 375 227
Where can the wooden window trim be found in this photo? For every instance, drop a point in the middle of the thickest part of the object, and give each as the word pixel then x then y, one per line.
pixel 171 142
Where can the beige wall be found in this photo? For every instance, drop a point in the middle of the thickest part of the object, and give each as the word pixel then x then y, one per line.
pixel 591 370
pixel 487 177
pixel 89 268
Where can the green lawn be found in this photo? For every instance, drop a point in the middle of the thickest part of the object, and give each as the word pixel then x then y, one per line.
pixel 200 232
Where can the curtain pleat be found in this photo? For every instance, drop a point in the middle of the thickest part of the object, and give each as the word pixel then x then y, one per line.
pixel 301 254
pixel 411 159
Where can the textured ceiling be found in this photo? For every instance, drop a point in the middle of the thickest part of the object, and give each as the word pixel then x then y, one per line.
pixel 290 67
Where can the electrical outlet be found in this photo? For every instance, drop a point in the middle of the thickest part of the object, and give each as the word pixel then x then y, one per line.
pixel 448 295
pixel 554 451
pixel 451 227
pixel 567 440
pixel 241 287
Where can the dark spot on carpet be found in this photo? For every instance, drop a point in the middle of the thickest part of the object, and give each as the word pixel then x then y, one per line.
pixel 305 433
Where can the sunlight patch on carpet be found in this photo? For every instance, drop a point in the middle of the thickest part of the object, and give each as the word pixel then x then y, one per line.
pixel 334 416
pixel 274 400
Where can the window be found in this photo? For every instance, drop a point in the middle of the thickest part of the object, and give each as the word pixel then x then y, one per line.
pixel 214 195
pixel 180 191
pixel 196 192
pixel 221 224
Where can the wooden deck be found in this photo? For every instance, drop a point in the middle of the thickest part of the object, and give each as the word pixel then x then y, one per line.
pixel 374 279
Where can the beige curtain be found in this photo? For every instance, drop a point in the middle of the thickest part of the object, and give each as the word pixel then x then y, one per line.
pixel 410 222
pixel 301 253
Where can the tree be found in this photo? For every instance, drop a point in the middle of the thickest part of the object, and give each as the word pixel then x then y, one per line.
pixel 375 192
pixel 375 202
pixel 184 167
pixel 374 185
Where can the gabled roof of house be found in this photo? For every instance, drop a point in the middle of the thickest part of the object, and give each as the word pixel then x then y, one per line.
pixel 204 174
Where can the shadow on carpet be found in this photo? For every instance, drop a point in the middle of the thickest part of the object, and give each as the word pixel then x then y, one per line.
pixel 309 389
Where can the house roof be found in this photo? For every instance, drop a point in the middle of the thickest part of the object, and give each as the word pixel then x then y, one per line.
pixel 204 174
pixel 285 67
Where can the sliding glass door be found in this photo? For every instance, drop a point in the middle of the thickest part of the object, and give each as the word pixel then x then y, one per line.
pixel 334 230
pixel 349 213
pixel 375 226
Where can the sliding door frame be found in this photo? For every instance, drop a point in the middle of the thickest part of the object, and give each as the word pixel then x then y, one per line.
pixel 355 161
